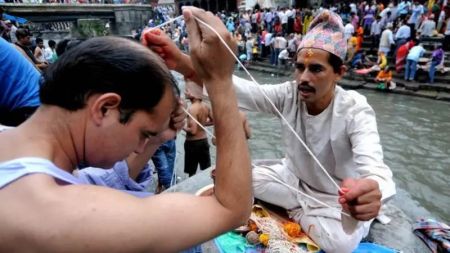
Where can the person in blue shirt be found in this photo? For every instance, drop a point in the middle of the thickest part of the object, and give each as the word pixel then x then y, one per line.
pixel 411 61
pixel 19 86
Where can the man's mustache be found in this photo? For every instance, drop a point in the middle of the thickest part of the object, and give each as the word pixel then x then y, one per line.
pixel 304 86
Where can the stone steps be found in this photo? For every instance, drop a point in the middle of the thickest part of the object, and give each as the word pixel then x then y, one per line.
pixel 440 90
pixel 265 67
pixel 441 80
pixel 404 89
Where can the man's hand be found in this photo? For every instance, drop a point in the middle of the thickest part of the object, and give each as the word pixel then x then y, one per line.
pixel 361 198
pixel 160 43
pixel 178 117
pixel 177 122
pixel 211 59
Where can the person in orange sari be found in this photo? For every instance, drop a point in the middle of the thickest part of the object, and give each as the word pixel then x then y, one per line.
pixel 359 37
pixel 384 78
pixel 402 52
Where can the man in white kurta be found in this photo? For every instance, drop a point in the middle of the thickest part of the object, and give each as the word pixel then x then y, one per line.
pixel 344 138
pixel 340 129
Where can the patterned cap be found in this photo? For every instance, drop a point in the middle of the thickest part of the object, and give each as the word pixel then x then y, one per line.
pixel 326 32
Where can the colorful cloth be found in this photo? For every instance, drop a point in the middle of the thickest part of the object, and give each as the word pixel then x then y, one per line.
pixel 234 243
pixel 326 32
pixel 402 52
pixel 382 75
pixel 436 235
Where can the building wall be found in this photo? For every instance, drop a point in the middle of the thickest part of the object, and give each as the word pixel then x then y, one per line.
pixel 210 5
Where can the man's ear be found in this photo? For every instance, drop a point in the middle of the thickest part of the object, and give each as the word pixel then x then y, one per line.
pixel 103 105
pixel 341 73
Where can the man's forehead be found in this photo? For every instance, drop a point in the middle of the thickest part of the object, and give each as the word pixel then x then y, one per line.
pixel 312 53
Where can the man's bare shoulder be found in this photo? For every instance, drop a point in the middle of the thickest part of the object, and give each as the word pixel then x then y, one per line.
pixel 23 146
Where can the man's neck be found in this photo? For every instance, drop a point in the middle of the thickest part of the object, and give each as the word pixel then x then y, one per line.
pixel 319 106
pixel 56 135
pixel 21 44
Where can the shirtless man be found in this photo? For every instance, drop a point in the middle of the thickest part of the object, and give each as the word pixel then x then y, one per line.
pixel 196 146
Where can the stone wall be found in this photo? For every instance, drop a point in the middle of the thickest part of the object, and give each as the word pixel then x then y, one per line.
pixel 127 20
pixel 122 18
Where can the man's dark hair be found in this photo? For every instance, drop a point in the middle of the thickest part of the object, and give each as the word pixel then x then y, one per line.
pixel 51 43
pixel 39 40
pixel 22 33
pixel 335 62
pixel 67 44
pixel 61 46
pixel 107 64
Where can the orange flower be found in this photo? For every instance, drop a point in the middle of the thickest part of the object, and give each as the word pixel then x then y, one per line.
pixel 252 225
pixel 292 229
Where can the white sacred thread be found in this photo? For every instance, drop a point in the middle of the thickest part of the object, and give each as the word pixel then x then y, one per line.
pixel 274 178
pixel 271 103
pixel 166 23
pixel 297 190
pixel 198 123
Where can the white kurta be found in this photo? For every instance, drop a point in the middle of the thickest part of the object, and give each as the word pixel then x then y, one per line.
pixel 344 138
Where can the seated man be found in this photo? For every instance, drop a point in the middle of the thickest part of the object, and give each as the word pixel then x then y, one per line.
pixel 96 110
pixel 339 127
pixel 360 60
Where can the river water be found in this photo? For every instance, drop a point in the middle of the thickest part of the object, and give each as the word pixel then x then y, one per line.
pixel 415 134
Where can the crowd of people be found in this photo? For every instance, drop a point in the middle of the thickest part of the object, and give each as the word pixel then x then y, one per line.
pixel 77 1
pixel 73 131
pixel 275 34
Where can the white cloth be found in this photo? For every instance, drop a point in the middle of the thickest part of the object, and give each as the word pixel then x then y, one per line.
pixel 283 17
pixel 427 27
pixel 48 54
pixel 348 31
pixel 404 32
pixel 327 232
pixel 387 39
pixel 375 29
pixel 280 42
pixel 284 55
